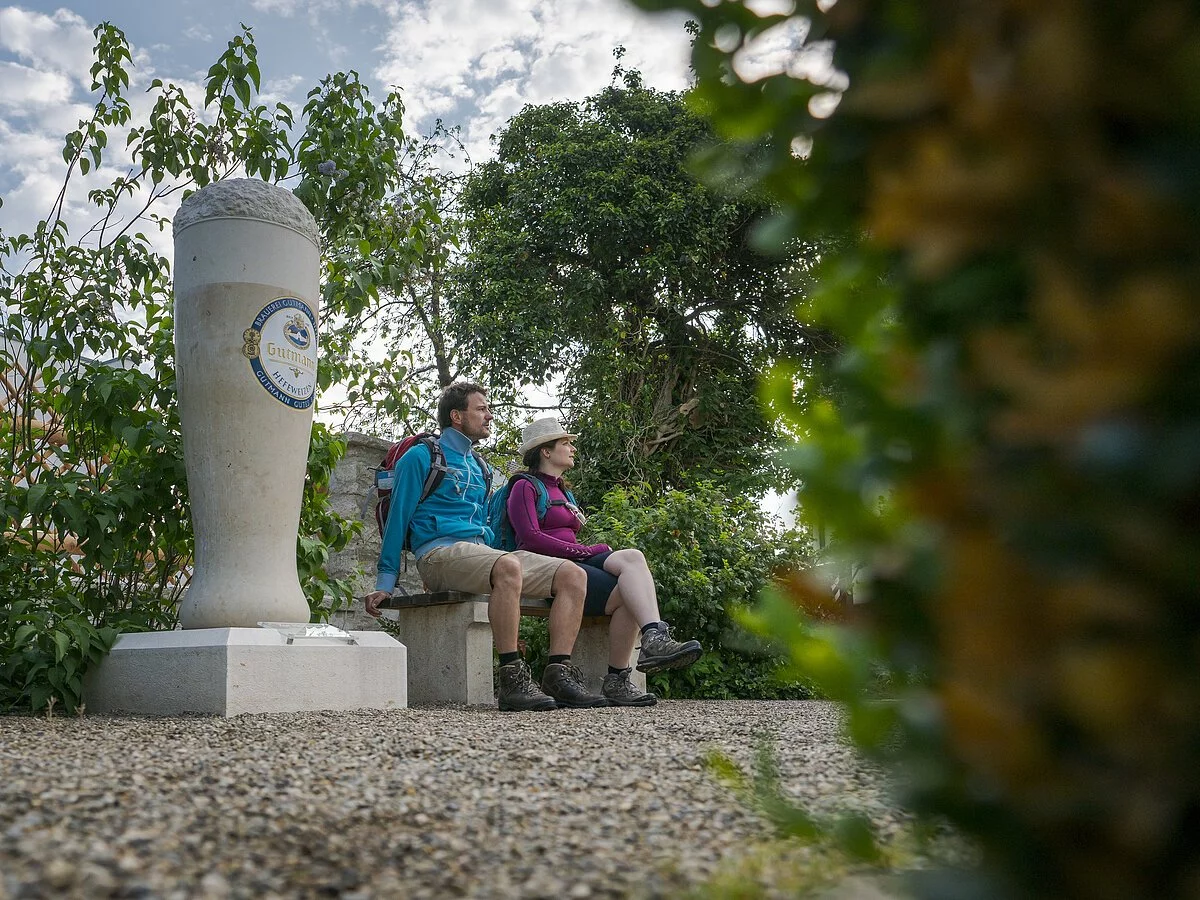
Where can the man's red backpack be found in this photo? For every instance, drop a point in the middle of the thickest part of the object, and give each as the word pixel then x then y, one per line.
pixel 385 475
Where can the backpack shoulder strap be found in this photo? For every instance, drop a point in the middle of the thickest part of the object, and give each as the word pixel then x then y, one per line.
pixel 538 487
pixel 437 466
pixel 541 495
pixel 527 476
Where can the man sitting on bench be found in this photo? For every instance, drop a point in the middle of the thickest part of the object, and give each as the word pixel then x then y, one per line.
pixel 450 538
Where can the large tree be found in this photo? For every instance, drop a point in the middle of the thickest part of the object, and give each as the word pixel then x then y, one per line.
pixel 598 262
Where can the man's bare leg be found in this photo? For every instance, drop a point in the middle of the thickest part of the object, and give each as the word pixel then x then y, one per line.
pixel 566 612
pixel 504 607
pixel 560 680
pixel 517 690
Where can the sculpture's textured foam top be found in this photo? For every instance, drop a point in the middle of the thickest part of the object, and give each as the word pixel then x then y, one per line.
pixel 247 198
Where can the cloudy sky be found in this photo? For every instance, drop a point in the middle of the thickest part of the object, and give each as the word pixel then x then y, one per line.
pixel 473 63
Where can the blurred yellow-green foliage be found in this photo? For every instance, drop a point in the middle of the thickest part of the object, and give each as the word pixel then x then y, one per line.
pixel 1020 300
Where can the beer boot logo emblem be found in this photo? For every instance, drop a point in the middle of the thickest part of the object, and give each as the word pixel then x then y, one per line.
pixel 281 345
pixel 297 332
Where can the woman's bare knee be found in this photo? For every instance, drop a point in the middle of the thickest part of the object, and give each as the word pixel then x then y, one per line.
pixel 620 560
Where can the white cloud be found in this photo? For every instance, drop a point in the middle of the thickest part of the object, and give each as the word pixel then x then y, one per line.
pixel 24 90
pixel 39 103
pixel 279 90
pixel 502 103
pixel 23 147
pixel 43 96
pixel 315 8
pixel 492 56
pixel 62 42
pixel 30 201
pixel 277 7
pixel 336 53
pixel 499 60
pixel 431 50
pixel 657 46
pixel 197 33
pixel 563 72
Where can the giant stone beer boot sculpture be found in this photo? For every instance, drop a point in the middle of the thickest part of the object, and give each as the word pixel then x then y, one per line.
pixel 246 339
pixel 246 333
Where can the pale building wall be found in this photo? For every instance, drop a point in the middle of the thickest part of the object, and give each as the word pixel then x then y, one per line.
pixel 352 495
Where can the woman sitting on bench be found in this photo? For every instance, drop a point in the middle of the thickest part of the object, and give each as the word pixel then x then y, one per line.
pixel 619 583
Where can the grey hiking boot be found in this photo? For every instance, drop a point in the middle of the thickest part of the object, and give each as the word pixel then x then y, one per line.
pixel 661 652
pixel 564 682
pixel 620 690
pixel 518 693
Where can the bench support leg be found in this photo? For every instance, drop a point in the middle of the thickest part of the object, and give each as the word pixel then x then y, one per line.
pixel 591 655
pixel 449 653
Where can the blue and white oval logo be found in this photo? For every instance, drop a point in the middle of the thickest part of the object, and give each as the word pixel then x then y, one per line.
pixel 281 345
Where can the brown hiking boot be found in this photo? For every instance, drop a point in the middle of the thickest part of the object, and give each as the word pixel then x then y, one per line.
pixel 661 652
pixel 564 682
pixel 620 690
pixel 518 693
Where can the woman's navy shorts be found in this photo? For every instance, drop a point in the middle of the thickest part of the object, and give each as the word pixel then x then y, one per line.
pixel 600 584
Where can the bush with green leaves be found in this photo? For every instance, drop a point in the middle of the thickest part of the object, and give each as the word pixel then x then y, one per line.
pixel 45 649
pixel 711 554
pixel 1020 374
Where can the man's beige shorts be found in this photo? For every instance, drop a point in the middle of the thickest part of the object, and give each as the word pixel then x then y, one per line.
pixel 468 567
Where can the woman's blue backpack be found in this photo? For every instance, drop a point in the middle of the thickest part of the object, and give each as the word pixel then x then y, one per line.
pixel 504 538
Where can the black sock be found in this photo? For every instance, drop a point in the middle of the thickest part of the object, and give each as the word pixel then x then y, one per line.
pixel 646 628
pixel 613 670
pixel 560 658
pixel 507 658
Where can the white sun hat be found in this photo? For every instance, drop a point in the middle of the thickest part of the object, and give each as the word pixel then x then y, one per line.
pixel 541 431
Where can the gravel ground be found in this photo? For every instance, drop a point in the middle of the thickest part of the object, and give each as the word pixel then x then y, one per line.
pixel 447 802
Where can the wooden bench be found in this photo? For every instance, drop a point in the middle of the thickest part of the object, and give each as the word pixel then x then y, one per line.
pixel 449 643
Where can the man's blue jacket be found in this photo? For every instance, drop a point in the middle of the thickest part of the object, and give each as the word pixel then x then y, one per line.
pixel 455 511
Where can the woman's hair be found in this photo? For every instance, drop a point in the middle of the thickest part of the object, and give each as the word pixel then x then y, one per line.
pixel 533 456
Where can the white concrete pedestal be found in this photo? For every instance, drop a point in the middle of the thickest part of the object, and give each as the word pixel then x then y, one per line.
pixel 230 671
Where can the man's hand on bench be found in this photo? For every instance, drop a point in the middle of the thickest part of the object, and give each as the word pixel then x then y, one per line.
pixel 373 600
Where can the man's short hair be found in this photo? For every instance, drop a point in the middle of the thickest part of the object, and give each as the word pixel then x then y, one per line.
pixel 456 397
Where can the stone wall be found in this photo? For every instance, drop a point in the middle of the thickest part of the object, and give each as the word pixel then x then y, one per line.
pixel 352 495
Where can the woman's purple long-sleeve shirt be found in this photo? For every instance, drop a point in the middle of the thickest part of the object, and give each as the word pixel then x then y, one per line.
pixel 557 535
